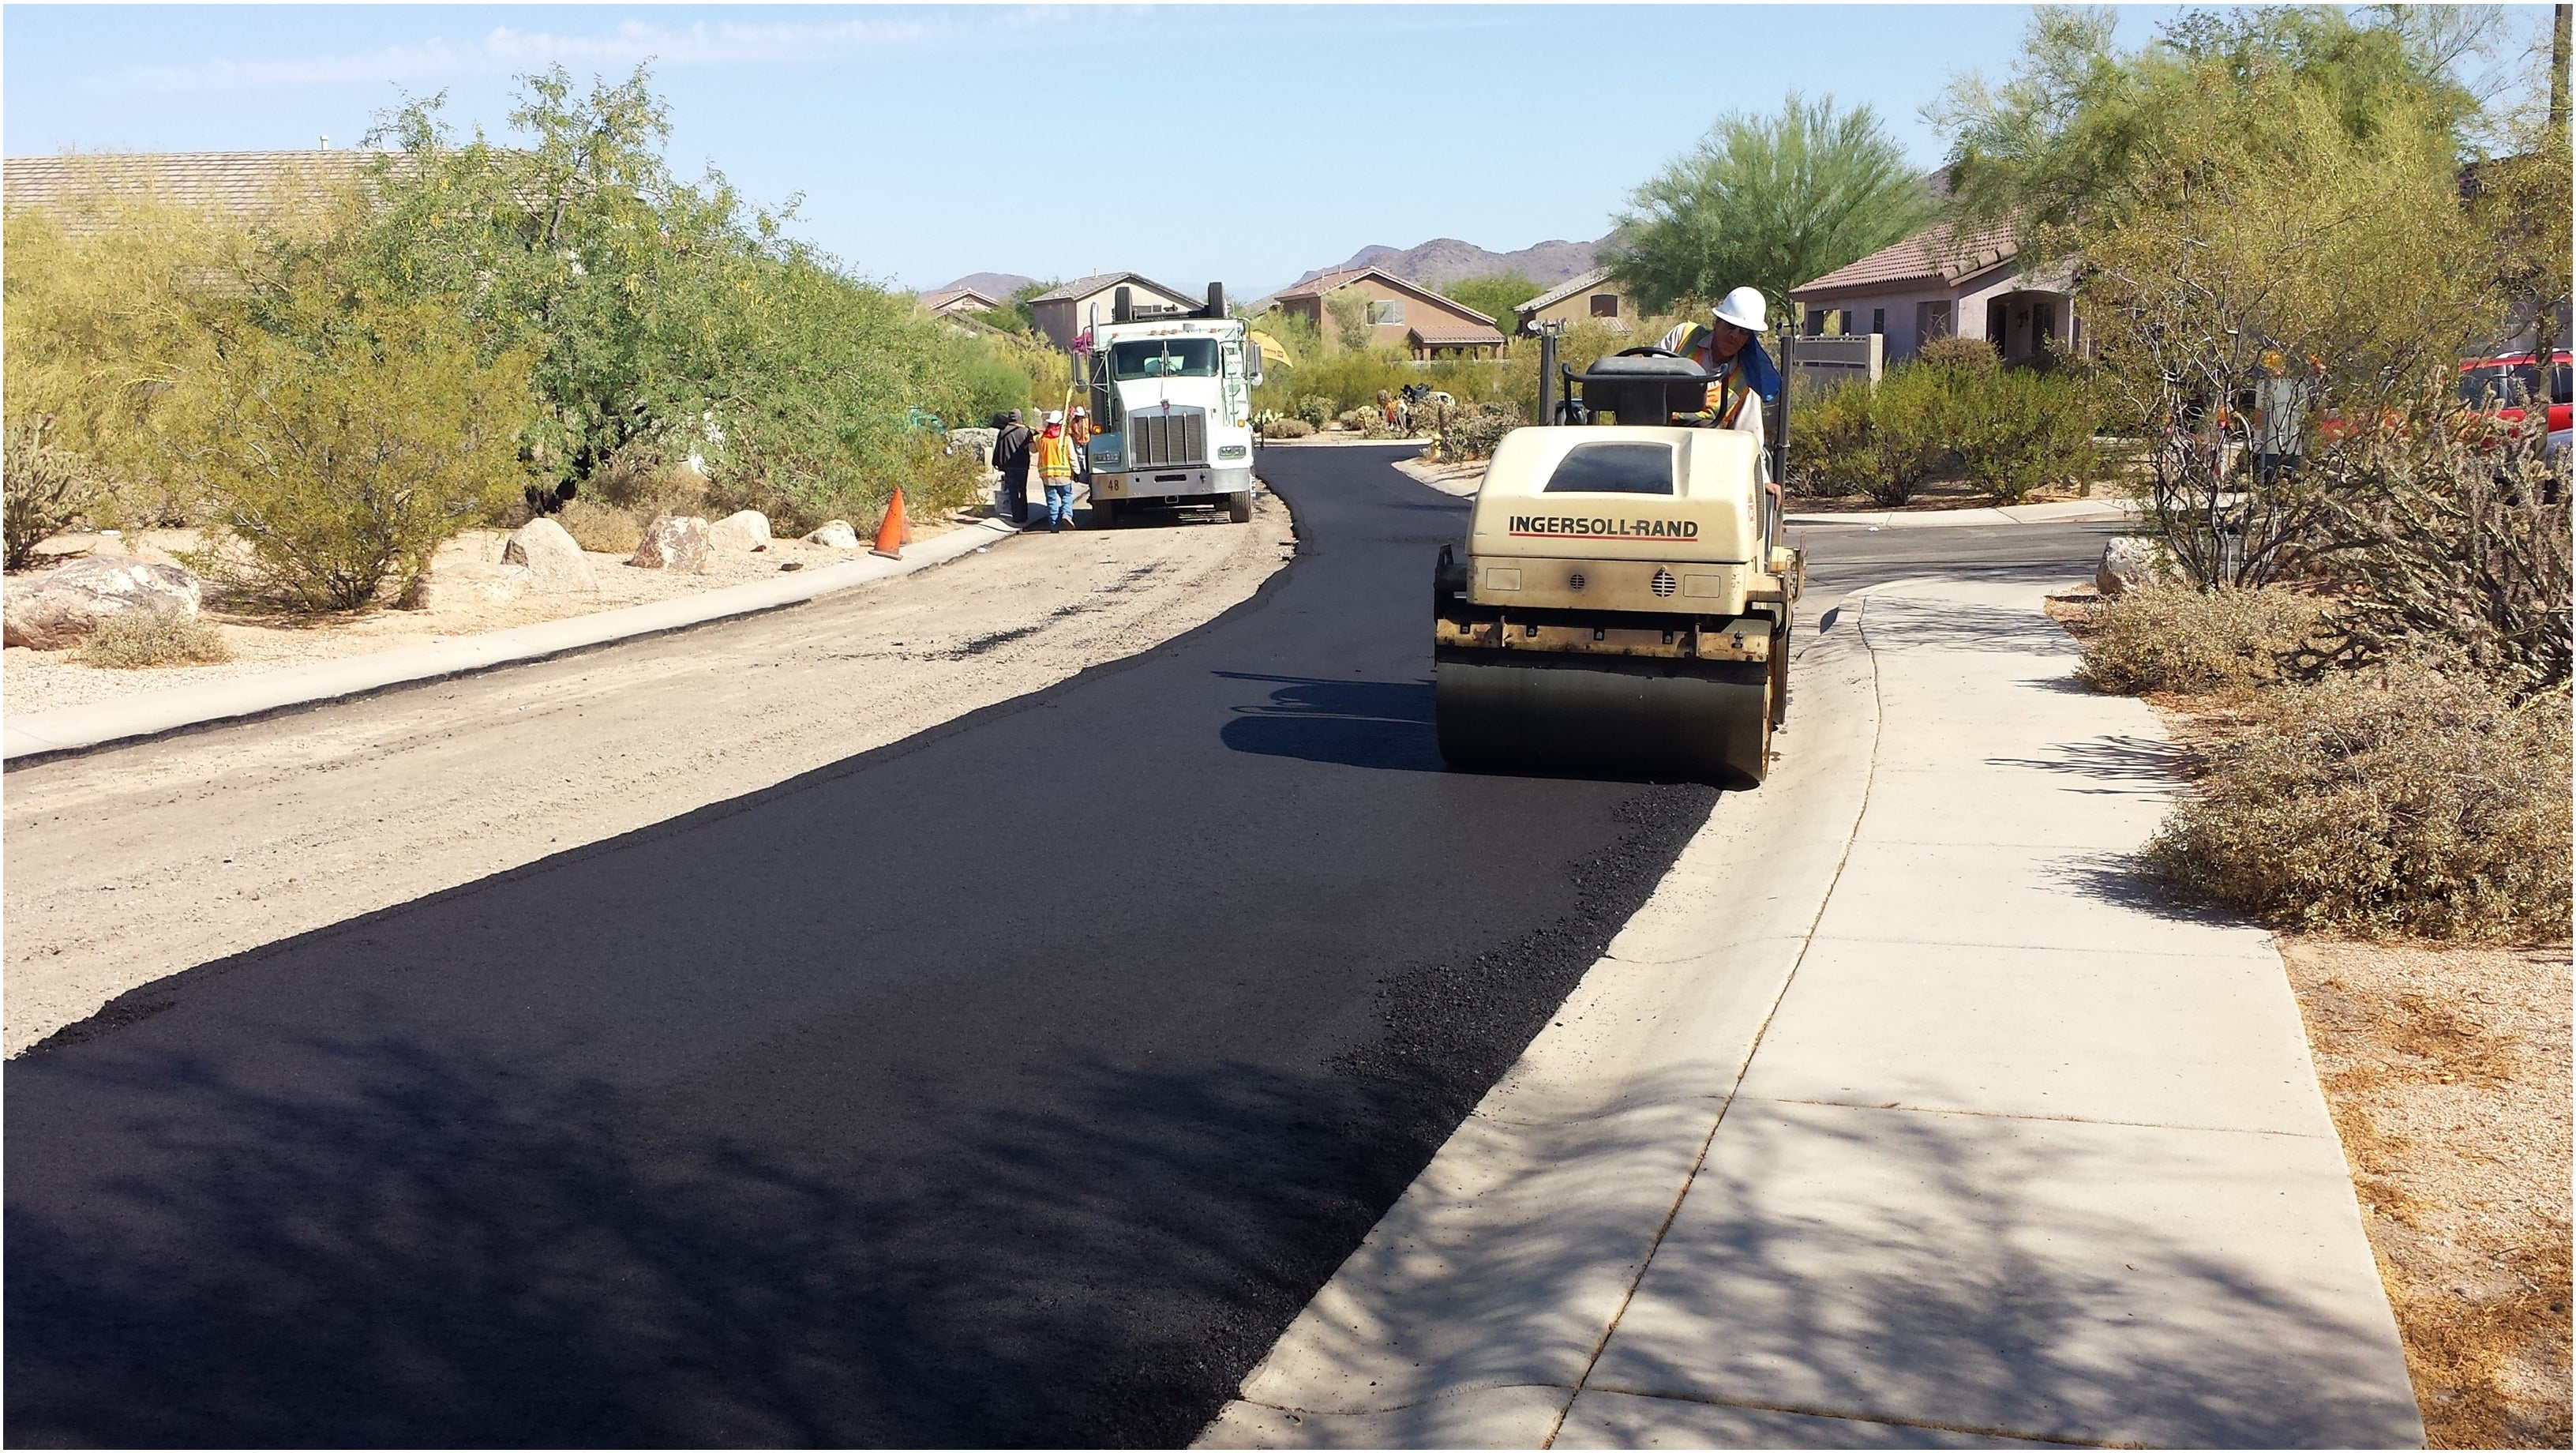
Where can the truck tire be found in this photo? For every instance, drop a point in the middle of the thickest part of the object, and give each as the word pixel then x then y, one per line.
pixel 1104 514
pixel 1238 507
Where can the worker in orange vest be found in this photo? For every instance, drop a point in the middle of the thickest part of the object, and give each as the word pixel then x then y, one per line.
pixel 1078 429
pixel 1054 453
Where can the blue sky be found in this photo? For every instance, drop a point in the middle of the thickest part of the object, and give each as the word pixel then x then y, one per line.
pixel 1187 142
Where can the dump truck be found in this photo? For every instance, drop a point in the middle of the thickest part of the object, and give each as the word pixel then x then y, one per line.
pixel 1171 408
pixel 1625 599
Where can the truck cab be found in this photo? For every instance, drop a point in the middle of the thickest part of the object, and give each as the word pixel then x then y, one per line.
pixel 1171 410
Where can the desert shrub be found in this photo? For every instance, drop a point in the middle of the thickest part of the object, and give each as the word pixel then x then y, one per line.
pixel 2174 638
pixel 2394 799
pixel 1974 355
pixel 1287 429
pixel 43 489
pixel 601 527
pixel 1361 421
pixel 932 480
pixel 2007 430
pixel 1315 409
pixel 133 639
pixel 340 459
pixel 2012 430
pixel 1470 431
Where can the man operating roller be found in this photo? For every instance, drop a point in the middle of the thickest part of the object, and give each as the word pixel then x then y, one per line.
pixel 1728 345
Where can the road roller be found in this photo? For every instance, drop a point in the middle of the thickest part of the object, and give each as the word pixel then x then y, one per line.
pixel 1624 603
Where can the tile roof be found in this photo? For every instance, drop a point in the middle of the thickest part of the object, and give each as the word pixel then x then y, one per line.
pixel 949 297
pixel 1326 282
pixel 1083 287
pixel 233 184
pixel 1446 334
pixel 1935 254
pixel 1567 289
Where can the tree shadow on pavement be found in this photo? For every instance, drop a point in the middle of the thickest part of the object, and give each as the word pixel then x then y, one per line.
pixel 2128 764
pixel 458 1256
pixel 1383 724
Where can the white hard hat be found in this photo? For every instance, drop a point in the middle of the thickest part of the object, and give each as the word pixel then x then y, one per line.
pixel 1055 416
pixel 1745 309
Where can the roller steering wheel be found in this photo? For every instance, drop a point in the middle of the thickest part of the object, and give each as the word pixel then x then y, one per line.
pixel 1649 351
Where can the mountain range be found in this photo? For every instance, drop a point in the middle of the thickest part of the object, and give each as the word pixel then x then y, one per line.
pixel 1437 263
pixel 1444 260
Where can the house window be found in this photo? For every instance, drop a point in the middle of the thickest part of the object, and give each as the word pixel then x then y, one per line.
pixel 1878 320
pixel 1931 321
pixel 1386 310
pixel 1815 321
pixel 1605 305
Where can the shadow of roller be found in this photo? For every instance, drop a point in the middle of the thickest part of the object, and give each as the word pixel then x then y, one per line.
pixel 1707 723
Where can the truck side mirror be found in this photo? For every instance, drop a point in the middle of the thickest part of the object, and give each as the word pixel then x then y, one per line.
pixel 1252 363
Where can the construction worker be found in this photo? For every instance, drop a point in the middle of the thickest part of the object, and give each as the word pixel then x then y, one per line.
pixel 1011 457
pixel 1729 346
pixel 1078 429
pixel 1054 454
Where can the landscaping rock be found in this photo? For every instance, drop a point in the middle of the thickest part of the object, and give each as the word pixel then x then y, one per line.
pixel 2129 562
pixel 674 542
pixel 835 533
pixel 469 583
pixel 977 443
pixel 741 532
pixel 52 611
pixel 552 556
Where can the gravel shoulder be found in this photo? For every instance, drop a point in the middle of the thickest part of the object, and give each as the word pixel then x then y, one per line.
pixel 134 863
pixel 2447 1072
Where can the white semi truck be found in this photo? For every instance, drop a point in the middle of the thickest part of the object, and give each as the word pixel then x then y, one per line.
pixel 1171 408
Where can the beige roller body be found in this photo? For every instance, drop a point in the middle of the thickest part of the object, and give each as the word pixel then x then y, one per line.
pixel 1622 607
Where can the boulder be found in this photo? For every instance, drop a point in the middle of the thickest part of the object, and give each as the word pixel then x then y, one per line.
pixel 56 609
pixel 739 533
pixel 674 542
pixel 835 533
pixel 976 444
pixel 469 583
pixel 551 556
pixel 2128 562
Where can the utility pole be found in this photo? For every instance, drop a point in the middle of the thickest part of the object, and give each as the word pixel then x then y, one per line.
pixel 2558 59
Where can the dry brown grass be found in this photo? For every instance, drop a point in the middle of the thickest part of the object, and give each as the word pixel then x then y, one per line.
pixel 2179 639
pixel 2447 1070
pixel 2392 801
pixel 601 527
pixel 143 638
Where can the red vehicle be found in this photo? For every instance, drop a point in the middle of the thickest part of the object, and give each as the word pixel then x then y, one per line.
pixel 2507 388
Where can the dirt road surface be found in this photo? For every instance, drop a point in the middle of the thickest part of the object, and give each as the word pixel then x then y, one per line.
pixel 131 864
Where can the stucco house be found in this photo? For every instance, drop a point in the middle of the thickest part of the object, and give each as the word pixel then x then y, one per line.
pixel 1589 297
pixel 1939 283
pixel 1404 314
pixel 1067 312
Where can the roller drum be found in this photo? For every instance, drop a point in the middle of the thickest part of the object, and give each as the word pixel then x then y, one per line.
pixel 1708 721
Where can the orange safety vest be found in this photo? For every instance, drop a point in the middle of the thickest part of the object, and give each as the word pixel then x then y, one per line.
pixel 1055 455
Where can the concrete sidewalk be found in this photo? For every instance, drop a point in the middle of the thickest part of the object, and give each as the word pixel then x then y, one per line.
pixel 2064 511
pixel 1902 1116
pixel 77 728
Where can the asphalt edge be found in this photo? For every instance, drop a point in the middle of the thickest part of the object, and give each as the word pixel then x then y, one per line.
pixel 76 731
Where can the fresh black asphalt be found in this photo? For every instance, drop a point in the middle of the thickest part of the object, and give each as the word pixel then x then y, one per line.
pixel 1014 1084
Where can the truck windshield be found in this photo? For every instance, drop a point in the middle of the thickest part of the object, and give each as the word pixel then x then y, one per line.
pixel 1163 358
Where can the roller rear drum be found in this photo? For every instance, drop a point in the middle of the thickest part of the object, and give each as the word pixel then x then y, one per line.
pixel 1706 721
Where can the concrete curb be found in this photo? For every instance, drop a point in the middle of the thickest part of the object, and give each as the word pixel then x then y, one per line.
pixel 1571 1167
pixel 81 728
pixel 2055 512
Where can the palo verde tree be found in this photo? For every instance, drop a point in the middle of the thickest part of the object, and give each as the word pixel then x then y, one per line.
pixel 1772 202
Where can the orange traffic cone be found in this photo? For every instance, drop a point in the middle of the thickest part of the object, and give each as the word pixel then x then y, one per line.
pixel 895 532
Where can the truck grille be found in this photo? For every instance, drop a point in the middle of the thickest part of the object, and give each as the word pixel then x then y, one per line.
pixel 1179 437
